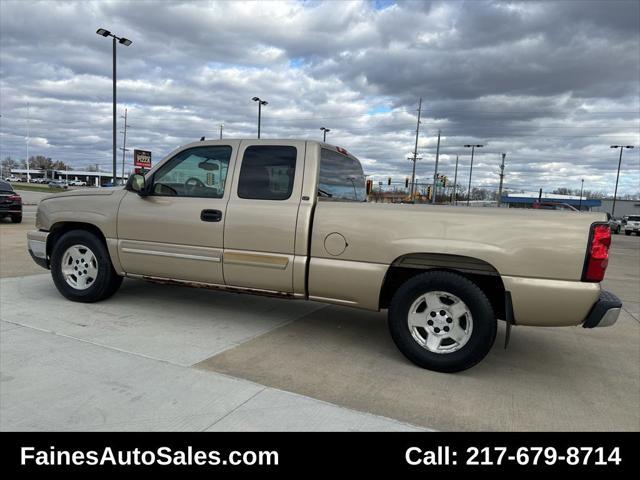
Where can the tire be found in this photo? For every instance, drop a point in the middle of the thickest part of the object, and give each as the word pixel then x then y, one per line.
pixel 80 248
pixel 478 320
pixel 16 218
pixel 627 232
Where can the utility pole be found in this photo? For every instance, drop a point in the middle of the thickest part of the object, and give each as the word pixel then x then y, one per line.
pixel 415 152
pixel 221 125
pixel 435 173
pixel 581 190
pixel 454 197
pixel 28 172
pixel 501 180
pixel 124 142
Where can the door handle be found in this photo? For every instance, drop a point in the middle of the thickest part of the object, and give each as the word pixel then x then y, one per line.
pixel 210 215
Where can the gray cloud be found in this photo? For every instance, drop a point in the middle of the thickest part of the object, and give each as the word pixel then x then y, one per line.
pixel 553 84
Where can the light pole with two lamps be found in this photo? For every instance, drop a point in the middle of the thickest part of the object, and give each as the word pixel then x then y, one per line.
pixel 324 133
pixel 615 193
pixel 260 104
pixel 126 42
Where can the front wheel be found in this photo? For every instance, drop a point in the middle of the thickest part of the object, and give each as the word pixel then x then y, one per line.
pixel 81 267
pixel 627 232
pixel 442 321
pixel 16 218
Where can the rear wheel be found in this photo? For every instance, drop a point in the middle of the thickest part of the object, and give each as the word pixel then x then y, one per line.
pixel 442 321
pixel 16 218
pixel 81 268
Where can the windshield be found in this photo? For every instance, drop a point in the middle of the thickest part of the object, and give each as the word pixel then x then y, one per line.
pixel 341 177
pixel 634 218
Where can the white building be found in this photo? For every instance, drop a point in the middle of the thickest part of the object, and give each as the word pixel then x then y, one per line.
pixel 92 178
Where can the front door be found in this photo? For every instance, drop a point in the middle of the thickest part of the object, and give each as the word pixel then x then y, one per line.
pixel 177 231
pixel 260 230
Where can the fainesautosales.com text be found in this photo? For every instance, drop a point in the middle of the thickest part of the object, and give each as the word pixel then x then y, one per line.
pixel 137 457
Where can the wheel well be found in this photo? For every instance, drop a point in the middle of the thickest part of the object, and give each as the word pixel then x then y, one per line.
pixel 479 272
pixel 59 229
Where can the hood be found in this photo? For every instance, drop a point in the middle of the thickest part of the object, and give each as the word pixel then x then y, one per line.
pixel 84 192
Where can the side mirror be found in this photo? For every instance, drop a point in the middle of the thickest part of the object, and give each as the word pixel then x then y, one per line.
pixel 136 184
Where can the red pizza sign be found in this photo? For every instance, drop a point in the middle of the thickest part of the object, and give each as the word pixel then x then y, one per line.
pixel 142 159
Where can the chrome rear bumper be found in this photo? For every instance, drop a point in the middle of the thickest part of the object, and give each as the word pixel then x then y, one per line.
pixel 605 312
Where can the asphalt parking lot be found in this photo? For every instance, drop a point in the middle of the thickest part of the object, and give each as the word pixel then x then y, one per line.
pixel 158 357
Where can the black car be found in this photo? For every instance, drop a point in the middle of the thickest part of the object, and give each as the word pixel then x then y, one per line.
pixel 10 202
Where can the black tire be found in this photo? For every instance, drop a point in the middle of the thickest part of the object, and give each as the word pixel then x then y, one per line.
pixel 482 336
pixel 627 232
pixel 107 280
pixel 16 218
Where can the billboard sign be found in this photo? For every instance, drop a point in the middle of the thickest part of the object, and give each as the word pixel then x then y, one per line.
pixel 142 159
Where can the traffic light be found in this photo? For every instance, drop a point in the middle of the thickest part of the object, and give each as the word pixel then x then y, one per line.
pixel 429 192
pixel 406 182
pixel 389 181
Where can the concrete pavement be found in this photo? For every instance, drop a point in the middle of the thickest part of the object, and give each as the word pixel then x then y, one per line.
pixel 158 357
pixel 548 379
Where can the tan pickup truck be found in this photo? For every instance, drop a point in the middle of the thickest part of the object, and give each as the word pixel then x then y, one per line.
pixel 289 218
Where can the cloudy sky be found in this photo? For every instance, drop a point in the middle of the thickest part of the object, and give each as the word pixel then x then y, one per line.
pixel 552 84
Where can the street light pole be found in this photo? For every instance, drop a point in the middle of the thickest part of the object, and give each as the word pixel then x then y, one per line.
pixel 260 104
pixel 126 42
pixel 473 148
pixel 114 111
pixel 615 193
pixel 221 125
pixel 27 144
pixel 581 190
pixel 455 184
pixel 324 133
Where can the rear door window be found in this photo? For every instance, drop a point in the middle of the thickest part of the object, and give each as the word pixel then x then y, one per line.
pixel 341 177
pixel 267 172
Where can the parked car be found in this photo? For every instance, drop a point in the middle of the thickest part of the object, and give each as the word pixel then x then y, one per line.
pixel 632 225
pixel 77 183
pixel 12 179
pixel 10 202
pixel 615 224
pixel 58 184
pixel 288 218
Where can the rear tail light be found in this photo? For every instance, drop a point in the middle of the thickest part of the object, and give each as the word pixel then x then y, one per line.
pixel 597 253
pixel 15 198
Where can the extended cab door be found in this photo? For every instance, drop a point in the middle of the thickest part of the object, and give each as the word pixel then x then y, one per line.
pixel 260 229
pixel 177 231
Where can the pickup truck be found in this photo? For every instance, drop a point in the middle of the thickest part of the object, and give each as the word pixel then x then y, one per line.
pixel 290 218
pixel 632 225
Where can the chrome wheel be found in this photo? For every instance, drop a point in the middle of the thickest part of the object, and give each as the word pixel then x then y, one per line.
pixel 440 322
pixel 79 267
